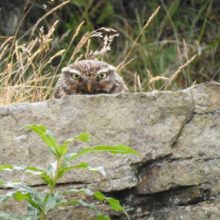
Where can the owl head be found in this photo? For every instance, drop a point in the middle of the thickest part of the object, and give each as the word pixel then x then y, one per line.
pixel 89 77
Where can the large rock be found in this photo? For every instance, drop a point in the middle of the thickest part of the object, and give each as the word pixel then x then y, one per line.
pixel 176 175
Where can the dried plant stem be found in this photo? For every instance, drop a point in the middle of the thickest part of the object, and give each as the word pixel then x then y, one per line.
pixel 125 64
pixel 81 43
pixel 73 38
pixel 137 38
pixel 175 74
pixel 137 83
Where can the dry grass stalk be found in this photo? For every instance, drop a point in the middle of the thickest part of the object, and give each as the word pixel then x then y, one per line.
pixel 83 41
pixel 76 33
pixel 122 64
pixel 176 73
pixel 25 70
pixel 152 80
pixel 107 35
pixel 137 83
pixel 125 64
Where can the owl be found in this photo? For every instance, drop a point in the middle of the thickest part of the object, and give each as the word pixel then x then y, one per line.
pixel 89 77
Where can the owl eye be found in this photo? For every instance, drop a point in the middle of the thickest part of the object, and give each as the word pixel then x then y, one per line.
pixel 102 75
pixel 76 76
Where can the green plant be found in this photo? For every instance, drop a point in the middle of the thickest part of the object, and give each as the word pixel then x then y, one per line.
pixel 41 203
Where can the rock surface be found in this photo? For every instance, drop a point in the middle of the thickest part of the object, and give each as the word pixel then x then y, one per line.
pixel 176 176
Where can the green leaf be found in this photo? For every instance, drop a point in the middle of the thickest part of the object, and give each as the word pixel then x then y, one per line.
pixel 14 184
pixel 78 166
pixel 34 170
pixel 86 191
pixel 83 137
pixel 9 167
pixel 6 167
pixel 35 201
pixel 47 179
pixel 103 217
pixel 42 173
pixel 118 149
pixel 33 212
pixel 46 136
pixel 121 149
pixel 62 150
pixel 115 204
pixel 100 196
pixel 35 198
pixel 21 196
pixel 50 202
pixel 25 193
pixel 29 169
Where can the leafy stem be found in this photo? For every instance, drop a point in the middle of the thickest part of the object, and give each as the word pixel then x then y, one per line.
pixel 41 203
pixel 56 175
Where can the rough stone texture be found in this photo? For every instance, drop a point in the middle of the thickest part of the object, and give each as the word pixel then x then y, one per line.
pixel 176 176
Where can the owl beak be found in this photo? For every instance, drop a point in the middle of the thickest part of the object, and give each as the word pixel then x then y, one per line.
pixel 89 86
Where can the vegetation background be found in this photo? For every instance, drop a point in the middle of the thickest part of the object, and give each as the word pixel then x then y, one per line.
pixel 177 47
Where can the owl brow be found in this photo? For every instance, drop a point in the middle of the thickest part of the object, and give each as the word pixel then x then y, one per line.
pixel 107 69
pixel 68 69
